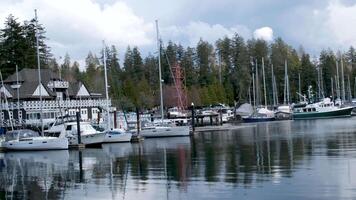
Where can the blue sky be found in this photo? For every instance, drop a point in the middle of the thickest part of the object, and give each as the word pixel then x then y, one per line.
pixel 79 26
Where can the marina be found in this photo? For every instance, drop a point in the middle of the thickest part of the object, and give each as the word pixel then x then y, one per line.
pixel 256 161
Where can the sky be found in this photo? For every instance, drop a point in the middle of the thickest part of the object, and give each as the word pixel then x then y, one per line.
pixel 79 26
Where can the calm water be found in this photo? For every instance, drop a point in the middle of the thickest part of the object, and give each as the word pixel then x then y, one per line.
pixel 279 160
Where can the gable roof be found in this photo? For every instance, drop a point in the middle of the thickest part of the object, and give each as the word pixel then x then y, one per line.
pixel 31 75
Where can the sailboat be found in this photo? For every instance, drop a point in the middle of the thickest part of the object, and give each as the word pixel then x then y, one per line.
pixel 112 135
pixel 25 139
pixel 261 114
pixel 162 130
pixel 284 111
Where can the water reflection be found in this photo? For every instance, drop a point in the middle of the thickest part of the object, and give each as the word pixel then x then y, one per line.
pixel 277 160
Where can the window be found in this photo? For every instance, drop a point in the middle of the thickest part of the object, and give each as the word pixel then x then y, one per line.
pixel 69 127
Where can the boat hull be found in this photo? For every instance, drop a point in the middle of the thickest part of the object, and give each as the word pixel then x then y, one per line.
pixel 174 131
pixel 258 119
pixel 117 138
pixel 342 112
pixel 89 139
pixel 46 143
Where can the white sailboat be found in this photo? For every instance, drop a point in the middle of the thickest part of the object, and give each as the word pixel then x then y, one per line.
pixel 163 130
pixel 116 135
pixel 25 139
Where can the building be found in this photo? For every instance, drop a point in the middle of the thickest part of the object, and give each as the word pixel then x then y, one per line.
pixel 20 99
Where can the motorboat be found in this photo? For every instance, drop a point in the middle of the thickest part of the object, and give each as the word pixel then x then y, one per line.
pixel 25 139
pixel 88 134
pixel 261 115
pixel 164 130
pixel 323 109
pixel 117 135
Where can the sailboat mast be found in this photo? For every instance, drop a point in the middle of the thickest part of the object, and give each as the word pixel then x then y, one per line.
pixel 106 88
pixel 299 88
pixel 264 81
pixel 342 80
pixel 6 102
pixel 159 69
pixel 257 86
pixel 39 73
pixel 337 81
pixel 273 92
pixel 18 93
pixel 254 90
pixel 285 83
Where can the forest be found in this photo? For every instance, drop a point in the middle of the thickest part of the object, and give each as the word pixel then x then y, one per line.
pixel 219 72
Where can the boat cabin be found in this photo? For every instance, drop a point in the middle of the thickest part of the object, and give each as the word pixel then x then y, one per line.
pixel 23 134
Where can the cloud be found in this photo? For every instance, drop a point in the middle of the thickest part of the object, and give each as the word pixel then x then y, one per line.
pixel 191 33
pixel 264 33
pixel 79 26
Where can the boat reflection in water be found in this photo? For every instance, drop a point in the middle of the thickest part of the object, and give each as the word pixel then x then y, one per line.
pixel 277 160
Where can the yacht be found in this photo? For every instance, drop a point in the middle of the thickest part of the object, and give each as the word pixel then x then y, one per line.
pixel 26 139
pixel 260 115
pixel 323 109
pixel 88 134
pixel 117 135
pixel 150 131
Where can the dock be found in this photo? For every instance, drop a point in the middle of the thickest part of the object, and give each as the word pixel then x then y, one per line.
pixel 76 146
pixel 2 149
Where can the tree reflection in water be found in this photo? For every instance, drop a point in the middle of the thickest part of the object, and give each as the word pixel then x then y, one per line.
pixel 166 167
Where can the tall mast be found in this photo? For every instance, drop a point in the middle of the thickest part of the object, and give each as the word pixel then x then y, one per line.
pixel 6 102
pixel 285 83
pixel 264 81
pixel 39 73
pixel 106 88
pixel 273 92
pixel 257 85
pixel 299 88
pixel 18 93
pixel 349 89
pixel 159 69
pixel 337 81
pixel 342 80
pixel 332 89
pixel 254 90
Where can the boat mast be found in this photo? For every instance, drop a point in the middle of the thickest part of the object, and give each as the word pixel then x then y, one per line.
pixel 6 102
pixel 349 89
pixel 299 87
pixel 253 90
pixel 264 82
pixel 257 85
pixel 332 89
pixel 273 92
pixel 159 70
pixel 18 93
pixel 342 80
pixel 106 88
pixel 285 83
pixel 337 80
pixel 39 73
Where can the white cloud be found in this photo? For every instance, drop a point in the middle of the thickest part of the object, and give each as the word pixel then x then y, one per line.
pixel 264 33
pixel 195 30
pixel 341 23
pixel 79 26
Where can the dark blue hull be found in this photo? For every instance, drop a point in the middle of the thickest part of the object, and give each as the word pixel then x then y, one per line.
pixel 258 119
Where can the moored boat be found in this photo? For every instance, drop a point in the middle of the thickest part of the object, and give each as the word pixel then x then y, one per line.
pixel 26 139
pixel 117 135
pixel 323 109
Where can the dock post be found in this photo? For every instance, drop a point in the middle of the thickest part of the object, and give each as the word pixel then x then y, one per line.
pixel 193 117
pixel 115 119
pixel 79 145
pixel 220 113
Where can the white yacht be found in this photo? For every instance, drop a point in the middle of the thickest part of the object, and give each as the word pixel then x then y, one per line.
pixel 26 139
pixel 88 135
pixel 117 135
pixel 164 131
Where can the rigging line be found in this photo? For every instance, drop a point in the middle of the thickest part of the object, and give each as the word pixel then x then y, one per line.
pixel 170 69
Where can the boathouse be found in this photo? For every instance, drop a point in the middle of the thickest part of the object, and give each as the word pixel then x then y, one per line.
pixel 20 99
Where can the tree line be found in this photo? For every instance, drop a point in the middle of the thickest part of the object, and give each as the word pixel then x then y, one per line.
pixel 219 72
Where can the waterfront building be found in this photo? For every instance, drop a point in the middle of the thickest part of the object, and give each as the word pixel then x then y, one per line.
pixel 59 98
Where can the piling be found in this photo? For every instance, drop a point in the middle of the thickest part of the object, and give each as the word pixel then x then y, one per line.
pixel 193 118
pixel 79 145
